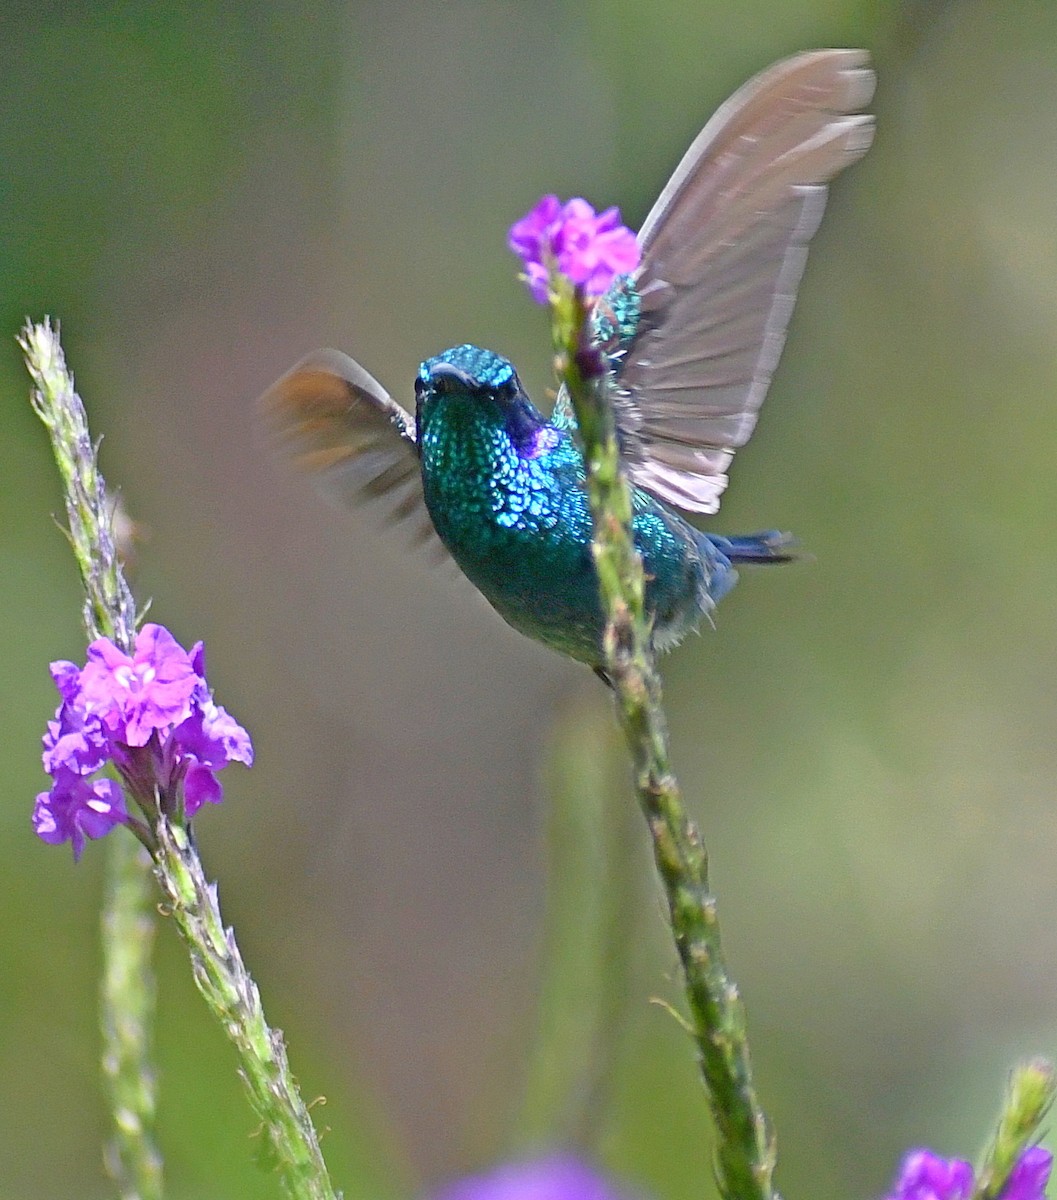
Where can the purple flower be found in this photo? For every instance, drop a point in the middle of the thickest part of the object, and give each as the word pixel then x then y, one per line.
pixel 594 250
pixel 209 739
pixel 1028 1179
pixel 532 238
pixel 928 1176
pixel 75 741
pixel 135 696
pixel 67 678
pixel 560 1177
pixel 590 249
pixel 76 808
pixel 150 715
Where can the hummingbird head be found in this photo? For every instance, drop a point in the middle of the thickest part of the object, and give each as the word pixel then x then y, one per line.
pixel 470 384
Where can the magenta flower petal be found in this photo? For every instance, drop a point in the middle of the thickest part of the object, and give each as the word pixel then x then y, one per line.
pixel 201 786
pixel 152 716
pixel 208 740
pixel 75 741
pixel 530 238
pixel 67 677
pixel 561 1177
pixel 538 280
pixel 928 1176
pixel 135 696
pixel 594 251
pixel 1028 1179
pixel 77 808
pixel 212 736
pixel 198 660
pixel 591 250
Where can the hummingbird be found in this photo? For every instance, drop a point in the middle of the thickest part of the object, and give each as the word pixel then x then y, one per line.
pixel 691 339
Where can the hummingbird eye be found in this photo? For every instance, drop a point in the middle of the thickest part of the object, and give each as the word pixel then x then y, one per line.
pixel 446 380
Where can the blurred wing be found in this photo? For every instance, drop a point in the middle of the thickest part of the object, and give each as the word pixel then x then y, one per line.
pixel 723 250
pixel 344 426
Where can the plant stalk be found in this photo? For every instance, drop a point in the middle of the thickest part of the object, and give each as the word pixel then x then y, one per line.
pixel 128 919
pixel 289 1143
pixel 745 1151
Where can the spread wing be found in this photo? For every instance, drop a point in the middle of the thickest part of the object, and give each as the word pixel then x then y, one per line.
pixel 723 250
pixel 344 426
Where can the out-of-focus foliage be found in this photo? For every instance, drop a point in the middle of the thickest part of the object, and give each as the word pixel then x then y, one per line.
pixel 203 193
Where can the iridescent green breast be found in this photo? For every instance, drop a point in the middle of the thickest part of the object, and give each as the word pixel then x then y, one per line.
pixel 511 507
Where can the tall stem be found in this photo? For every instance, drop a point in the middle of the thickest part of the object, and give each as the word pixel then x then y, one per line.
pixel 745 1152
pixel 128 920
pixel 587 943
pixel 288 1140
pixel 1029 1096
pixel 127 1017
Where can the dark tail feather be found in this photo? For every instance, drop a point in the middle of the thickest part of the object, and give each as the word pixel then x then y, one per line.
pixel 768 547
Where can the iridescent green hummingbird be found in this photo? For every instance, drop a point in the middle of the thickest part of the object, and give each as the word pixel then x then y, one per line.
pixel 693 337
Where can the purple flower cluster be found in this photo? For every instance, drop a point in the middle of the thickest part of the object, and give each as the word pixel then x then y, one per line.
pixel 152 716
pixel 590 249
pixel 560 1177
pixel 923 1176
pixel 928 1176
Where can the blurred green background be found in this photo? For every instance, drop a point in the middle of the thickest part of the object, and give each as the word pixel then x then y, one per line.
pixel 202 193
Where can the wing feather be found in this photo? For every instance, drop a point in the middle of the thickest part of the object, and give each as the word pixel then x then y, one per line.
pixel 343 426
pixel 723 251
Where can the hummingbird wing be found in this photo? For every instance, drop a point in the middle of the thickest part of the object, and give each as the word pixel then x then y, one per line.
pixel 723 250
pixel 345 427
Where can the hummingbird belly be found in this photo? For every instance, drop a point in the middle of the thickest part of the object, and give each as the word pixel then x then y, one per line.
pixel 540 575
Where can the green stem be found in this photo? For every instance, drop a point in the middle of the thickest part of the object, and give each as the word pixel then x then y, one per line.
pixel 127 1016
pixel 109 608
pixel 288 1141
pixel 288 1138
pixel 587 943
pixel 745 1152
pixel 128 921
pixel 617 943
pixel 1032 1087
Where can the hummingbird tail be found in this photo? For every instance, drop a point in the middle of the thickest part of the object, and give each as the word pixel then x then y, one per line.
pixel 757 548
pixel 721 553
